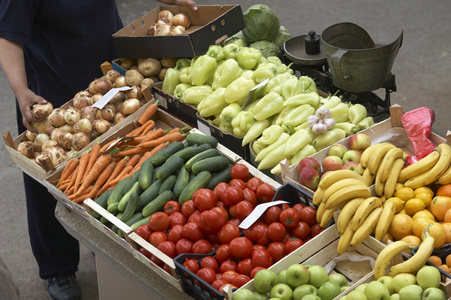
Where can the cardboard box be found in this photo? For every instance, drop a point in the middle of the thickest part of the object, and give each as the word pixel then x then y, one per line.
pixel 210 25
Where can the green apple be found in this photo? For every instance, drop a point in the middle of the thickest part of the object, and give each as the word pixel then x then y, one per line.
pixel 361 287
pixel 433 293
pixel 329 290
pixel 283 277
pixel 282 291
pixel 302 290
pixel 243 294
pixel 260 296
pixel 394 296
pixel 428 276
pixel 317 276
pixel 342 298
pixel 377 290
pixel 338 278
pixel 344 288
pixel 356 295
pixel 311 297
pixel 264 280
pixel 388 282
pixel 411 292
pixel 297 275
pixel 403 279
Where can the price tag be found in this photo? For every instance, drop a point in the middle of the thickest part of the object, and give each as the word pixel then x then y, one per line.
pixel 108 96
pixel 162 100
pixel 203 127
pixel 257 212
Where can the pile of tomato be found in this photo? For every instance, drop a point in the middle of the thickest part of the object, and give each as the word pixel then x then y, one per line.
pixel 209 222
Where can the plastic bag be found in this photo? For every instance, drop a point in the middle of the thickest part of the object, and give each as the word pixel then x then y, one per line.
pixel 418 125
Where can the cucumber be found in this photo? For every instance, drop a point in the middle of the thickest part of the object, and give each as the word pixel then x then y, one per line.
pixel 161 156
pixel 135 218
pixel 104 220
pixel 198 157
pixel 211 164
pixel 220 176
pixel 102 201
pixel 169 168
pixel 131 182
pixel 199 138
pixel 181 182
pixel 146 174
pixel 150 193
pixel 168 183
pixel 118 191
pixel 200 181
pixel 155 170
pixel 124 200
pixel 142 221
pixel 157 204
pixel 190 151
pixel 130 209
pixel 113 208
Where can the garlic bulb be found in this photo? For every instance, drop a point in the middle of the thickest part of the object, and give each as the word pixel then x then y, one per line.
pixel 319 128
pixel 321 122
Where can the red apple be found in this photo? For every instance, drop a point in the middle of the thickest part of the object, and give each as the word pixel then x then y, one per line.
pixel 337 150
pixel 359 141
pixel 332 163
pixel 309 176
pixel 351 155
pixel 309 162
pixel 351 165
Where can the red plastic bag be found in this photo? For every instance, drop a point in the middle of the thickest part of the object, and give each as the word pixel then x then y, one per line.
pixel 418 125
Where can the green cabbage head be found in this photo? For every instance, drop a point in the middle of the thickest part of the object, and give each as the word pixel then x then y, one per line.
pixel 262 23
pixel 267 48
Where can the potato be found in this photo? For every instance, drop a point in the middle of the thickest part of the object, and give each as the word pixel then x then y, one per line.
pixel 168 62
pixel 133 77
pixel 150 67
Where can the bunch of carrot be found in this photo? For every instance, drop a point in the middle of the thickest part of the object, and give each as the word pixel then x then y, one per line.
pixel 98 170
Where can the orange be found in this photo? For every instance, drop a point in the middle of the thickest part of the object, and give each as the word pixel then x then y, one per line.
pixel 439 206
pixel 418 226
pixel 413 206
pixel 447 217
pixel 423 214
pixel 412 240
pixel 425 197
pixel 399 204
pixel 438 232
pixel 448 260
pixel 424 189
pixel 400 226
pixel 435 260
pixel 444 190
pixel 398 186
pixel 447 227
pixel 445 268
pixel 405 193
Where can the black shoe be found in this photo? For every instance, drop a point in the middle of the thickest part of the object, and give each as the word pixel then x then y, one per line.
pixel 63 287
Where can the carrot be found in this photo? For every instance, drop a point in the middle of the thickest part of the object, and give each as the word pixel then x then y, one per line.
pixel 92 157
pixel 104 147
pixel 174 136
pixel 81 171
pixel 148 126
pixel 100 164
pixel 68 170
pixel 83 196
pixel 73 178
pixel 103 177
pixel 148 113
pixel 125 173
pixel 120 164
pixel 132 151
pixel 154 134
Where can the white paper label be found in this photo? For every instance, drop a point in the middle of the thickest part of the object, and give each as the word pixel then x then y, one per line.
pixel 257 212
pixel 203 127
pixel 108 96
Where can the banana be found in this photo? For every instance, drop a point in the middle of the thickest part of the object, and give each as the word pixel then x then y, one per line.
pixel 416 261
pixel 442 164
pixel 377 156
pixel 385 219
pixel 332 177
pixel 368 177
pixel 317 196
pixel 339 185
pixel 417 181
pixel 367 153
pixel 364 210
pixel 347 193
pixel 386 255
pixel 345 239
pixel 387 162
pixel 446 177
pixel 419 167
pixel 328 215
pixel 367 227
pixel 378 183
pixel 347 212
pixel 360 169
pixel 320 211
pixel 392 179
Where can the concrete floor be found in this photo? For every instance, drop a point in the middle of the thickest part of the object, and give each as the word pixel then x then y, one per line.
pixel 422 69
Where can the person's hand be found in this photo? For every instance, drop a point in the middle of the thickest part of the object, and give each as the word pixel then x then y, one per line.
pixel 26 100
pixel 189 3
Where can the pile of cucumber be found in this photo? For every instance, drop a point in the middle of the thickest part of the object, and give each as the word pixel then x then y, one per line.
pixel 173 173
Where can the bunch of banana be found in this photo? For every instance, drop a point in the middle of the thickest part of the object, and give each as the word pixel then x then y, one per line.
pixel 386 255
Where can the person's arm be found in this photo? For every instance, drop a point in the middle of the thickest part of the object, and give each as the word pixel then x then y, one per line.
pixel 13 65
pixel 189 3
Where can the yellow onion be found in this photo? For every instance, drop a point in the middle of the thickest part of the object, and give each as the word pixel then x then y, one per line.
pixel 101 126
pixel 55 134
pixel 67 128
pixel 83 125
pixel 129 106
pixel 165 14
pixel 96 97
pixel 65 140
pixel 89 113
pixel 30 135
pixel 48 144
pixel 26 148
pixel 82 99
pixel 134 92
pixel 80 140
pixel 181 19
pixel 72 115
pixel 112 75
pixel 42 125
pixel 119 96
pixel 41 111
pixel 56 154
pixel 118 117
pixel 108 112
pixel 40 140
pixel 101 85
pixel 56 118
pixel 120 82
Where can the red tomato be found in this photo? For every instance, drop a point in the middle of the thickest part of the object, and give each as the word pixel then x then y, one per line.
pixel 227 266
pixel 264 240
pixel 255 270
pixel 265 192
pixel 232 211
pixel 145 252
pixel 301 231
pixel 284 206
pixel 218 283
pixel 222 253
pixel 276 231
pixel 223 211
pixel 228 232
pixel 144 231
pixel 240 171
pixel 289 218
pixel 238 183
pixel 157 261
pixel 188 208
pixel 191 265
pixel 232 195
pixel 276 250
pixel 201 247
pixel 195 217
pixel 240 280
pixel 229 275
pixel 241 247
pixel 168 248
pixel 262 258
pixel 213 239
pixel 177 218
pixel 219 189
pixel 298 207
pixel 308 215
pixel 245 266
pixel 292 244
pixel 243 209
pixel 157 237
pixel 258 246
pixel 167 268
pixel 184 246
pixel 315 229
pixel 237 222
pixel 159 221
pixel 209 261
pixel 287 237
pixel 253 183
pixel 175 233
pixel 256 230
pixel 207 274
pixel 250 196
pixel 171 206
pixel 211 221
pixel 272 214
pixel 192 231
pixel 204 199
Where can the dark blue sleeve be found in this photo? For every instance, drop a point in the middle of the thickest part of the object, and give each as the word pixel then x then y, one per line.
pixel 16 19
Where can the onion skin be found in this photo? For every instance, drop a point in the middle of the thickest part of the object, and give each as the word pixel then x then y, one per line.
pixel 80 140
pixel 72 115
pixel 56 154
pixel 135 92
pixel 181 19
pixel 120 82
pixel 108 112
pixel 112 75
pixel 30 135
pixel 163 30
pixel 41 111
pixel 101 126
pixel 39 141
pixel 165 14
pixel 41 126
pixel 129 106
pixel 101 85
pixel 65 140
pixel 82 99
pixel 67 128
pixel 83 125
pixel 56 118
pixel 48 144
pixel 96 97
pixel 89 113
pixel 26 148
pixel 55 134
pixel 118 117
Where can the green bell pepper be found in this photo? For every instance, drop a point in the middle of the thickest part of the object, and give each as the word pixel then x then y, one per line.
pixel 340 112
pixel 273 158
pixel 229 112
pixel 171 80
pixel 202 69
pixel 348 127
pixel 299 115
pixel 330 137
pixel 216 52
pixel 180 89
pixel 185 75
pixel 227 72
pixel 182 63
pixel 271 134
pixel 356 113
pixel 248 57
pixel 280 118
pixel 226 127
pixel 276 83
pixel 213 104
pixel 238 89
pixel 242 123
pixel 303 153
pixel 297 141
pixel 270 105
pixel 292 87
pixel 195 94
pixel 283 68
pixel 280 142
pixel 256 147
pixel 231 51
pixel 301 99
pixel 366 122
pixel 265 71
pixel 309 83
pixel 331 102
pixel 255 131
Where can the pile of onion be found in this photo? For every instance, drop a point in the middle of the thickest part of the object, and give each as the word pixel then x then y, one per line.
pixel 169 24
